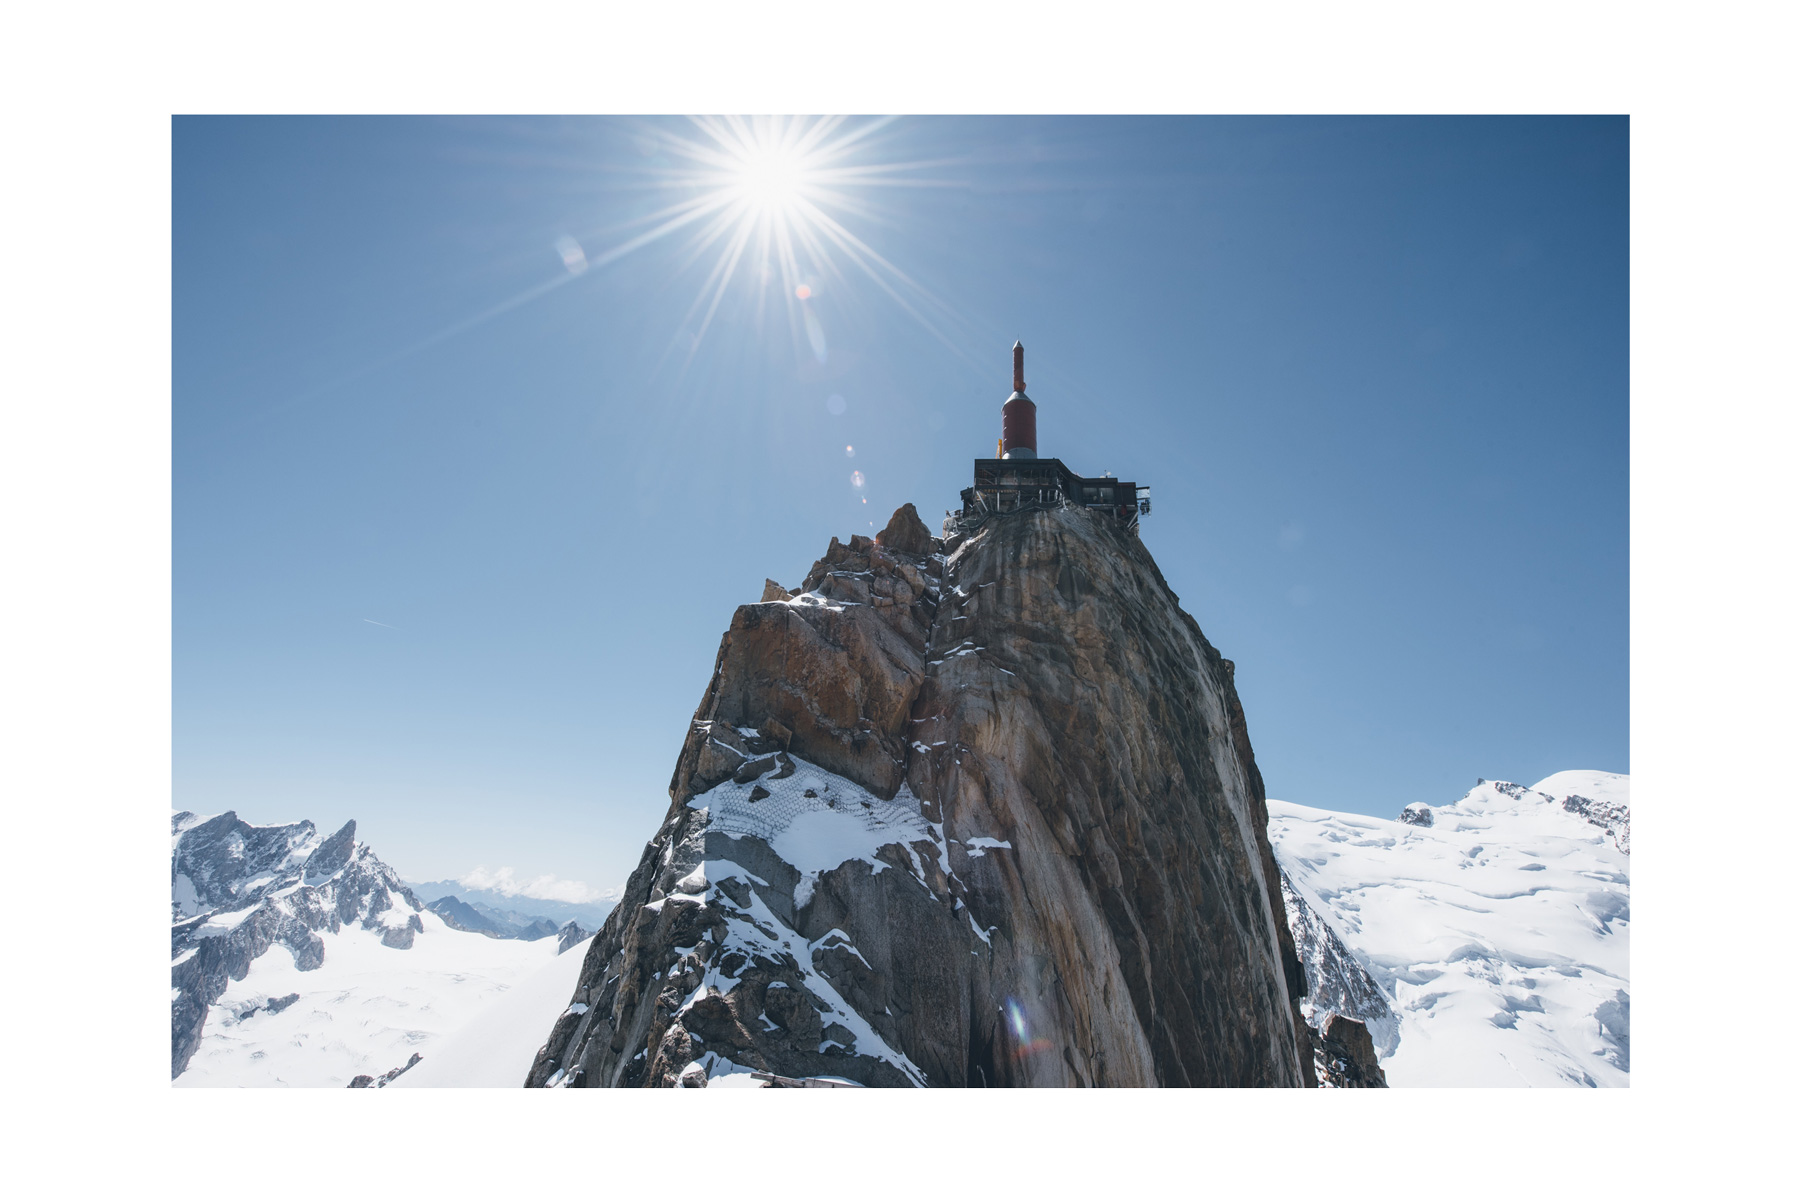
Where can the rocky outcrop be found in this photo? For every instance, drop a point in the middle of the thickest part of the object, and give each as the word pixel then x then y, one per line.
pixel 906 534
pixel 365 1081
pixel 1611 814
pixel 984 814
pixel 1344 1056
pixel 830 675
pixel 1613 817
pixel 239 890
pixel 571 934
pixel 1417 814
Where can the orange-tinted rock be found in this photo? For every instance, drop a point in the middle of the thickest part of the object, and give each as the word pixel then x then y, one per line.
pixel 906 534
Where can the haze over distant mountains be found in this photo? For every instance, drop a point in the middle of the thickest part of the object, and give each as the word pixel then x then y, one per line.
pixel 516 909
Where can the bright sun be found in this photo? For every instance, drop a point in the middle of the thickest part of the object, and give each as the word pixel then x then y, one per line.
pixel 771 178
pixel 760 197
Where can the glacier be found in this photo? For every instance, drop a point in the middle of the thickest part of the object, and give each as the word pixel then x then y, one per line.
pixel 1496 930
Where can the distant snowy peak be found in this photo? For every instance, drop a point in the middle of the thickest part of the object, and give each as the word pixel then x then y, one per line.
pixel 238 889
pixel 1601 799
pixel 224 861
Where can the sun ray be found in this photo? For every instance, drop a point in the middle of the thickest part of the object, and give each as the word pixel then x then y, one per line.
pixel 863 255
pixel 778 176
pixel 766 192
pixel 730 269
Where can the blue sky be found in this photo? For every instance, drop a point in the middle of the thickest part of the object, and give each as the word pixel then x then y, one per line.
pixel 457 566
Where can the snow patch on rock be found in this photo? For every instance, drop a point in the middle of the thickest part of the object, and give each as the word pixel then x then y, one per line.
pixel 814 820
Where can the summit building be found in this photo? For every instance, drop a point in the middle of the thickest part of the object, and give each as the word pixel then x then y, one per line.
pixel 1018 479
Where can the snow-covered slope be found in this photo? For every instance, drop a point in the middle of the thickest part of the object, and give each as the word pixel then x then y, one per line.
pixel 1497 928
pixel 367 1007
pixel 495 1048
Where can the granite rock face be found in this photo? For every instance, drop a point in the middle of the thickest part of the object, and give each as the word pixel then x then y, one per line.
pixel 829 675
pixel 238 890
pixel 987 817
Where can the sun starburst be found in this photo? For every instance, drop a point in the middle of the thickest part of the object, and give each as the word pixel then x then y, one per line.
pixel 768 198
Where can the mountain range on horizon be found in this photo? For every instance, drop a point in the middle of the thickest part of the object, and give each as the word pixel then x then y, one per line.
pixel 517 910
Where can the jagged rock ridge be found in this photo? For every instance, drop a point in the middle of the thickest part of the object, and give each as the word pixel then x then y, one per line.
pixel 240 889
pixel 979 812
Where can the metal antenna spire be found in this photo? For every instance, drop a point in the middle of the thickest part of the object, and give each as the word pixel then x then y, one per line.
pixel 1018 367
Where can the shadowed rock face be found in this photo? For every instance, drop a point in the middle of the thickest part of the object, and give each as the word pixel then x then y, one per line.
pixel 1062 876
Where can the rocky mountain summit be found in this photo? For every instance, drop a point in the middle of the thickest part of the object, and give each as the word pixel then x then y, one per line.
pixel 239 889
pixel 976 811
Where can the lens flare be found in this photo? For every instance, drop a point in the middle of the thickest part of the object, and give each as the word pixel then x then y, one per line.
pixel 1023 1044
pixel 574 258
pixel 849 452
pixel 856 479
pixel 1015 1015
